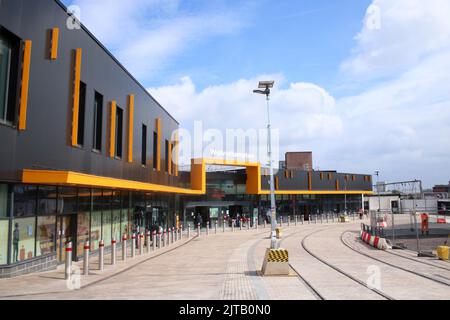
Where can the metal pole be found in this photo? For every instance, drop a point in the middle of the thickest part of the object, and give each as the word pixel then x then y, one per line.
pixel 223 226
pixel 295 220
pixel 68 268
pixel 133 245
pixel 113 251
pixel 101 255
pixel 141 244
pixel 232 225
pixel 215 227
pixel 198 230
pixel 124 247
pixel 273 238
pixel 86 258
pixel 240 224
pixel 154 240
pixel 207 228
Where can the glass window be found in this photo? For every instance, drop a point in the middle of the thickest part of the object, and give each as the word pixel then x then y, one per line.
pixel 24 200
pixel 4 224
pixel 144 145
pixel 96 218
pixel 106 217
pixel 46 231
pixel 68 200
pixel 119 132
pixel 46 200
pixel 124 229
pixel 81 114
pixel 155 149
pixel 116 210
pixel 3 201
pixel 23 239
pixel 9 52
pixel 83 218
pixel 98 121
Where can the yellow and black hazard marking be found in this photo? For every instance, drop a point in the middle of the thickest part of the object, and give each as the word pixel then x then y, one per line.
pixel 279 255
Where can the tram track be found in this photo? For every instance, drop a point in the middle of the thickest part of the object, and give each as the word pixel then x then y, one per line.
pixel 393 265
pixel 339 270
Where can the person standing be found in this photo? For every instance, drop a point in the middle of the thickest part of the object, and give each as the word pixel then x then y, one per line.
pixel 16 239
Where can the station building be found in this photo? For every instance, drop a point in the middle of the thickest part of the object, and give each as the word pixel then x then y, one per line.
pixel 87 153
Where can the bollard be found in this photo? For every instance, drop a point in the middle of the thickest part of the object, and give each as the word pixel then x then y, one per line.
pixel 172 235
pixel 248 224
pixel 181 232
pixel 154 240
pixel 164 238
pixel 281 221
pixel 295 220
pixel 159 239
pixel 240 224
pixel 215 227
pixel 113 251
pixel 327 216
pixel 86 258
pixel 223 225
pixel 101 255
pixel 68 269
pixel 176 234
pixel 189 231
pixel 321 218
pixel 265 223
pixel 148 239
pixel 124 247
pixel 141 243
pixel 289 221
pixel 198 230
pixel 207 227
pixel 232 225
pixel 133 245
pixel 257 223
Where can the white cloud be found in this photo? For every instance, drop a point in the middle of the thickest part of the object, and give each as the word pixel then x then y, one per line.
pixel 146 34
pixel 409 31
pixel 302 113
pixel 400 126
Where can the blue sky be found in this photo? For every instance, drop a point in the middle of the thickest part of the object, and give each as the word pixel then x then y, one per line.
pixel 361 83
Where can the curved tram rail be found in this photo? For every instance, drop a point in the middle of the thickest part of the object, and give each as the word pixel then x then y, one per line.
pixel 393 265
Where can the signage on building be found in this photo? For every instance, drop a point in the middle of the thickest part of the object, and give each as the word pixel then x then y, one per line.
pixel 435 195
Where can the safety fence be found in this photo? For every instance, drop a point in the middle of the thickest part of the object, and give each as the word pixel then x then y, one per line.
pixel 420 231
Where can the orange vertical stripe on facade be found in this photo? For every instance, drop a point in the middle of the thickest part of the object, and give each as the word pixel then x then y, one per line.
pixel 112 132
pixel 76 96
pixel 276 183
pixel 176 153
pixel 55 40
pixel 130 126
pixel 169 161
pixel 25 84
pixel 337 185
pixel 309 180
pixel 158 144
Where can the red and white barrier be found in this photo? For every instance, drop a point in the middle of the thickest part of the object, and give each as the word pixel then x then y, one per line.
pixel 374 241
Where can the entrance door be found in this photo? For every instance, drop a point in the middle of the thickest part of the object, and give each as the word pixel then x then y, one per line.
pixel 66 232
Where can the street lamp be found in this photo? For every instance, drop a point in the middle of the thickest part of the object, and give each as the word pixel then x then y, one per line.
pixel 267 85
pixel 377 173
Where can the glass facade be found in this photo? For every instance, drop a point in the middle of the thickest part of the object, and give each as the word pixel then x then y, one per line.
pixel 46 218
pixel 23 239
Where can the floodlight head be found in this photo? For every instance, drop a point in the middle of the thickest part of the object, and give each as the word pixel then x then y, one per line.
pixel 266 84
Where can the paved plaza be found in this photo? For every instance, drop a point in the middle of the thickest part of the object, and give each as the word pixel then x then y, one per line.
pixel 224 266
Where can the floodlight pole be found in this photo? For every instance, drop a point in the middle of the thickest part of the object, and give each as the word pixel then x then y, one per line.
pixel 273 212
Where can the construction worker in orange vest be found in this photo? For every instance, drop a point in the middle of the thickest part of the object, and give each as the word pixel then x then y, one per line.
pixel 424 218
